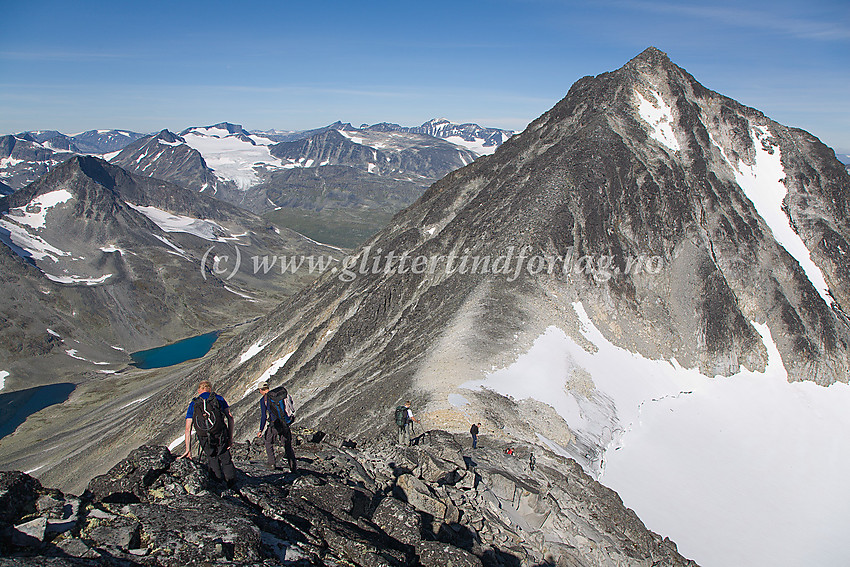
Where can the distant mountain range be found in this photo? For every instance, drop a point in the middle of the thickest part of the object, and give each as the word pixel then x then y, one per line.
pixel 294 177
pixel 48 147
pixel 338 184
pixel 472 136
pixel 108 259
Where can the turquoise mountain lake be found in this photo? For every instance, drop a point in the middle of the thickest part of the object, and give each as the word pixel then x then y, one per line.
pixel 16 407
pixel 175 353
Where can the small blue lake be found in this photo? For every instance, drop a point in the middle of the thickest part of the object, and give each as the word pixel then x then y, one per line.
pixel 175 353
pixel 16 407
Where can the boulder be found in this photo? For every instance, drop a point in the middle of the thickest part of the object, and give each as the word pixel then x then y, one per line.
pixel 416 493
pixel 199 530
pixel 19 493
pixel 438 554
pixel 361 547
pixel 191 475
pixel 62 516
pixel 399 520
pixel 127 481
pixel 436 470
pixel 75 547
pixel 29 534
pixel 117 532
pixel 343 501
pixel 444 446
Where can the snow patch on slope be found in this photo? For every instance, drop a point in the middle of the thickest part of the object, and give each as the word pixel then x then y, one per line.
pixel 78 280
pixel 762 183
pixel 3 375
pixel 270 371
pixel 658 114
pixel 252 351
pixel 19 227
pixel 170 222
pixel 26 244
pixel 476 145
pixel 34 214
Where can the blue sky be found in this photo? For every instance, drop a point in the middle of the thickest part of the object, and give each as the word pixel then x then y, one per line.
pixel 145 66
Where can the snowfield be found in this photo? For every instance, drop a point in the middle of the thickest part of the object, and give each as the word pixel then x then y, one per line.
pixel 170 222
pixel 745 470
pixel 78 279
pixel 230 157
pixel 476 145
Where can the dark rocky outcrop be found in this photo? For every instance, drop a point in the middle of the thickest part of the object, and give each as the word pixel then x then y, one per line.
pixel 345 506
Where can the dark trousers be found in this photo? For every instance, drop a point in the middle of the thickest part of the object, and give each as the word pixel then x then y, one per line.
pixel 404 434
pixel 474 440
pixel 279 430
pixel 218 457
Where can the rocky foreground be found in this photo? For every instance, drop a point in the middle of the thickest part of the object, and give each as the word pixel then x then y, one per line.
pixel 437 503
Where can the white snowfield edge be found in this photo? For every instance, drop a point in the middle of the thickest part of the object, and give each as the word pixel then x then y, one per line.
pixel 745 470
pixel 3 375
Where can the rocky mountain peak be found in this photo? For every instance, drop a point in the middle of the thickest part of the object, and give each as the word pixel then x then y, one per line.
pixel 169 136
pixel 652 58
pixel 232 128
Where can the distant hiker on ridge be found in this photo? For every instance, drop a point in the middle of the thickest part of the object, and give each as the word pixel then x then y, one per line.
pixel 208 412
pixel 404 420
pixel 278 411
pixel 474 432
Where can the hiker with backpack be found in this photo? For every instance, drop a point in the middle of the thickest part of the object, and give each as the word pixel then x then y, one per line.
pixel 278 412
pixel 404 420
pixel 474 432
pixel 208 413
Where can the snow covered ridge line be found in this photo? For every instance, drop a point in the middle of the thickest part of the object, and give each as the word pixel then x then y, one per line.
pixel 512 263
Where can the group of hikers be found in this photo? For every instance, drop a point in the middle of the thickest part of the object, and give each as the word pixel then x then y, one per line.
pixel 210 415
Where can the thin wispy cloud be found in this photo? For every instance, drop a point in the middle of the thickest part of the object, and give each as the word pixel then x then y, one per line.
pixel 58 56
pixel 758 19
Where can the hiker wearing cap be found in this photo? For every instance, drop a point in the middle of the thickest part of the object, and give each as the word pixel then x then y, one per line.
pixel 276 413
pixel 210 415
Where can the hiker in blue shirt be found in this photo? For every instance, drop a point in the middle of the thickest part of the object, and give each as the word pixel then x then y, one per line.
pixel 208 416
pixel 276 428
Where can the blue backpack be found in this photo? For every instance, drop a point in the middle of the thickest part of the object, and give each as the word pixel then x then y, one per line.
pixel 280 406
